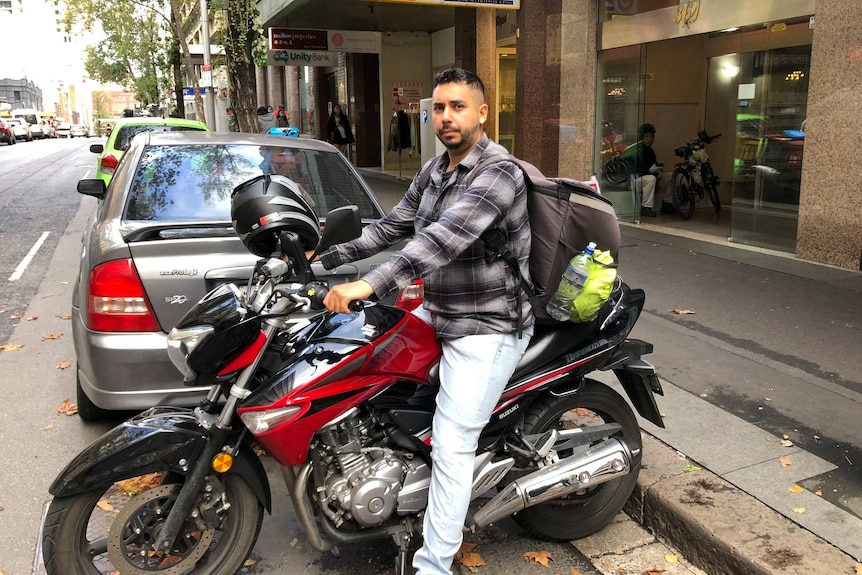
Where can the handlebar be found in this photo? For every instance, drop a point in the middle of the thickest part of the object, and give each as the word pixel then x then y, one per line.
pixel 356 305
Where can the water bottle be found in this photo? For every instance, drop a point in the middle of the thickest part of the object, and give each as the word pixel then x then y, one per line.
pixel 571 284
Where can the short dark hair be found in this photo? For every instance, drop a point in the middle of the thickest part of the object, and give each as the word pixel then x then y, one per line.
pixel 459 75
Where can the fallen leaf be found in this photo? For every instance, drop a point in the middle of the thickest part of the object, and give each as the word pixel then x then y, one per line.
pixel 690 468
pixel 816 437
pixel 466 547
pixel 767 399
pixel 785 436
pixel 33 318
pixel 796 489
pixel 141 483
pixel 49 426
pixel 249 562
pixel 786 443
pixel 540 557
pixel 64 316
pixel 859 569
pixel 52 336
pixel 16 316
pixel 105 506
pixel 67 407
pixel 654 571
pixel 682 311
pixel 671 559
pixel 574 572
pixel 63 365
pixel 799 510
pixel 471 560
pixel 294 542
pixel 785 461
pixel 11 347
pixel 818 493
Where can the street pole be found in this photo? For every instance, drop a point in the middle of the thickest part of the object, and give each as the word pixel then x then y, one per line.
pixel 209 100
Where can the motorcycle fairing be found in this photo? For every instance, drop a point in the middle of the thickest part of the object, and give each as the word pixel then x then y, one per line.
pixel 155 440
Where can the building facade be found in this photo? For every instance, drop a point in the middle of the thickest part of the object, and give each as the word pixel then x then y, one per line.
pixel 776 78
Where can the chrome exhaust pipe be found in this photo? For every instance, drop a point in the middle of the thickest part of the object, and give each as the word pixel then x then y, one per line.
pixel 296 480
pixel 608 460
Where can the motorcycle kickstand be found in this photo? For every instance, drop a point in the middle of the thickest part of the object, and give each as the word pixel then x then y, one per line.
pixel 403 541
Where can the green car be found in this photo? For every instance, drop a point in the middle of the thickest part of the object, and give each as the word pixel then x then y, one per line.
pixel 121 136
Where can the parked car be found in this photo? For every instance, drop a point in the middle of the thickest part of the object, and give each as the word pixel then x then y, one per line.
pixel 79 130
pixel 122 133
pixel 162 239
pixel 20 128
pixel 63 129
pixel 6 133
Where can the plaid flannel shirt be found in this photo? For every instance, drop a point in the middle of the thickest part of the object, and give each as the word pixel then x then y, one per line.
pixel 465 294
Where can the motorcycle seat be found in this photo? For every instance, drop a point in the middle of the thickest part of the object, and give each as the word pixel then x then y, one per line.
pixel 552 341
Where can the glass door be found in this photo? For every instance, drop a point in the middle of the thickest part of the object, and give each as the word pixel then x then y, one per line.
pixel 506 64
pixel 620 111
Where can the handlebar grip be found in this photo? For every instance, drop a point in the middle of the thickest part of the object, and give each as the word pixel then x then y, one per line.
pixel 356 305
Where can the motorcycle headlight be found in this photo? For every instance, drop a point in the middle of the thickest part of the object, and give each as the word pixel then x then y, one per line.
pixel 182 343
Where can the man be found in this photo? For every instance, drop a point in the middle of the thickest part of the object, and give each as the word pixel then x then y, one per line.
pixel 650 172
pixel 473 305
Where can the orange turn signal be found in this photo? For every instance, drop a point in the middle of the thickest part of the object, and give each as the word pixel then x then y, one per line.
pixel 222 462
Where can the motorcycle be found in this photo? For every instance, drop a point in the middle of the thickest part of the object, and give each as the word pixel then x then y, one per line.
pixel 621 162
pixel 344 403
pixel 693 176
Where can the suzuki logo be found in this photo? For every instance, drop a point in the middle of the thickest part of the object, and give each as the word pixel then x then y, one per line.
pixel 369 331
pixel 176 299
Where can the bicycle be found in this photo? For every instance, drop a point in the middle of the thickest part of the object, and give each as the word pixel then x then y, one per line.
pixel 693 177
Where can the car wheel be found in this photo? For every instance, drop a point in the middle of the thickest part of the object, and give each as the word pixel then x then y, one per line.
pixel 87 410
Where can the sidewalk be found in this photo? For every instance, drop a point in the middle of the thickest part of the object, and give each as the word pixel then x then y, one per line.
pixel 713 483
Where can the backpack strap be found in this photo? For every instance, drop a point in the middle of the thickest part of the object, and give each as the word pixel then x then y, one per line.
pixel 495 240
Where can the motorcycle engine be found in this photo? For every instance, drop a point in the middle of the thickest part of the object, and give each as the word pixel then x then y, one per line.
pixel 365 480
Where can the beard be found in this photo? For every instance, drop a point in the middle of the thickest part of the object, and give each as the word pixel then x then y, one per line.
pixel 466 139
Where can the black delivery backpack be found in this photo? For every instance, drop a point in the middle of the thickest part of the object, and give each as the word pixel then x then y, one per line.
pixel 565 215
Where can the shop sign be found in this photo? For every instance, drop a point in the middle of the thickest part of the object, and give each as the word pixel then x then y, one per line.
pixel 301 58
pixel 355 41
pixel 498 4
pixel 189 94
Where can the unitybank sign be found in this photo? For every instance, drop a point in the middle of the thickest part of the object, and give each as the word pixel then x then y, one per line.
pixel 294 47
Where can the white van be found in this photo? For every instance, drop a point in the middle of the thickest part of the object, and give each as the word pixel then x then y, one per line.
pixel 33 117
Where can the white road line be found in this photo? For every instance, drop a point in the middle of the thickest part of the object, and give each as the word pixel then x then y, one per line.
pixel 86 175
pixel 19 271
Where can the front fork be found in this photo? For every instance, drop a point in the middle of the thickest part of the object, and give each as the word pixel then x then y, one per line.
pixel 219 432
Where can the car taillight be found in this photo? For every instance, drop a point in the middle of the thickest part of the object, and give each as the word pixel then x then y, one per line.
pixel 117 300
pixel 109 164
pixel 411 297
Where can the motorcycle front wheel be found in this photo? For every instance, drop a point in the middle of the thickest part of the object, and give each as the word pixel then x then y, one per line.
pixel 113 530
pixel 681 196
pixel 617 171
pixel 583 512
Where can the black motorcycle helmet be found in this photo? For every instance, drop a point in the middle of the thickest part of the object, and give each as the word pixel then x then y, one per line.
pixel 645 129
pixel 266 205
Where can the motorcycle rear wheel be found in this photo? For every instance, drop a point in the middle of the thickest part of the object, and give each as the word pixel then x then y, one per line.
pixel 580 514
pixel 681 195
pixel 78 532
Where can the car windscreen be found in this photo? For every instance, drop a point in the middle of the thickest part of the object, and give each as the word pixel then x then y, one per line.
pixel 126 133
pixel 30 118
pixel 194 182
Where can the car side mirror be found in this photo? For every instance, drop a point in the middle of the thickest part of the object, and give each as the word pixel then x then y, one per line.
pixel 342 225
pixel 93 187
pixel 97 148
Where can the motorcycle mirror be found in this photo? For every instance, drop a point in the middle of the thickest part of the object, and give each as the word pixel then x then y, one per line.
pixel 342 225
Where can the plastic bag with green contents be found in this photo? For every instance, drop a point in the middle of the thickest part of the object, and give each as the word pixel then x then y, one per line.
pixel 601 275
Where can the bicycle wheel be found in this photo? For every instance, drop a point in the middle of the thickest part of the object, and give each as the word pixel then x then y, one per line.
pixel 681 194
pixel 710 185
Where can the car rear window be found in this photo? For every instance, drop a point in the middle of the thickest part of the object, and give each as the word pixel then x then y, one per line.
pixel 126 133
pixel 194 182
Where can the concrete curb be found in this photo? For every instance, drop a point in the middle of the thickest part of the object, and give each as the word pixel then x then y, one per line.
pixel 721 529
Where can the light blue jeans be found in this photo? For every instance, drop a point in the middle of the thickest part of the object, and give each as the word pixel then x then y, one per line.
pixel 473 373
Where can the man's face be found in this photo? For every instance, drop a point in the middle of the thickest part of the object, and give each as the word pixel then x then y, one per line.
pixel 649 138
pixel 459 112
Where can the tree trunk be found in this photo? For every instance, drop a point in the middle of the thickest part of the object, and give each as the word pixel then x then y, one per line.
pixel 240 65
pixel 176 66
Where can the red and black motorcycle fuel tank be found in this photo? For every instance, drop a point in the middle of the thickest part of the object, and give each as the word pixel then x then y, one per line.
pixel 334 364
